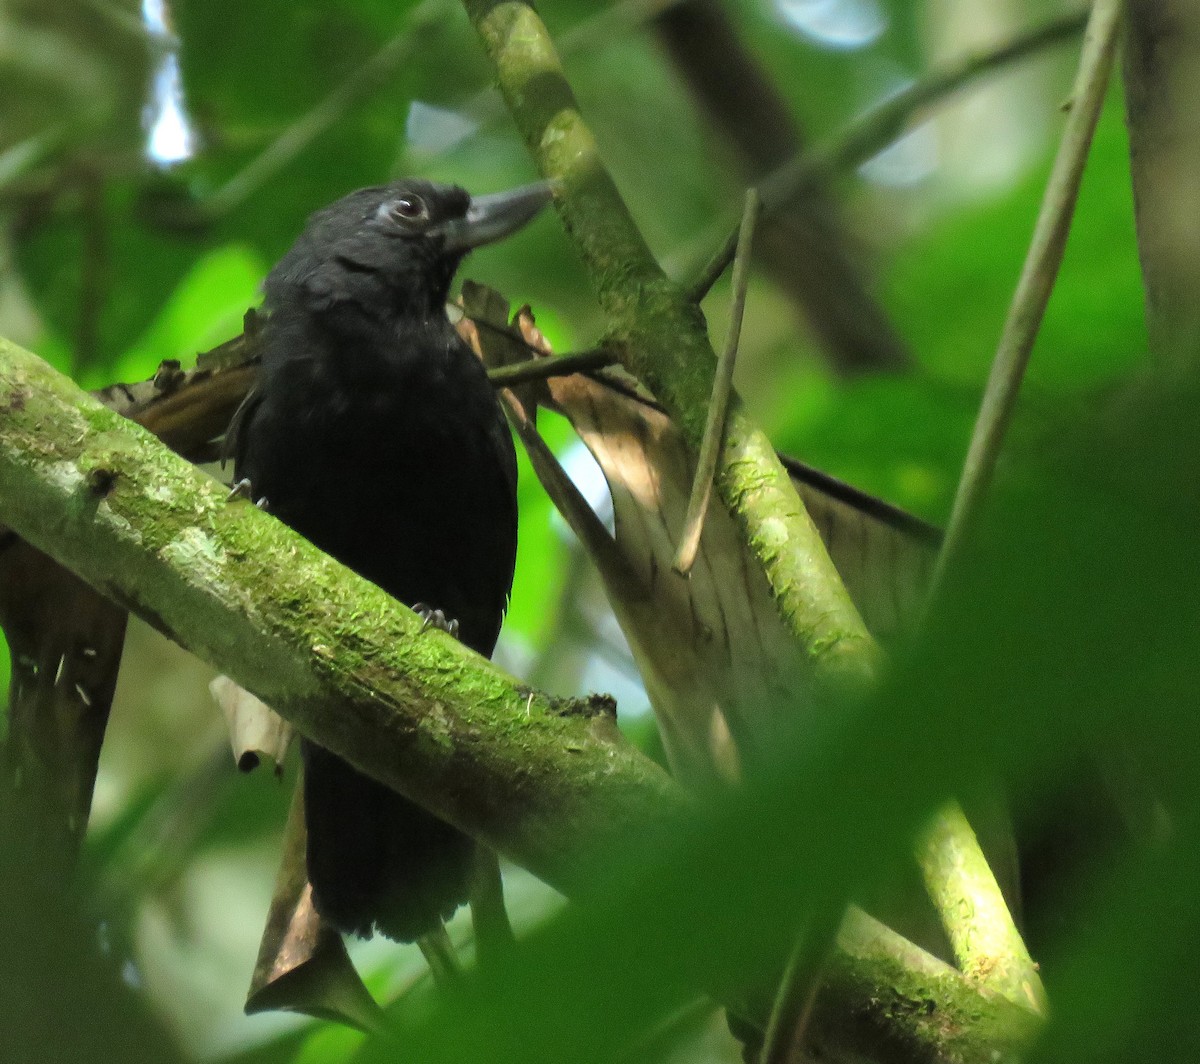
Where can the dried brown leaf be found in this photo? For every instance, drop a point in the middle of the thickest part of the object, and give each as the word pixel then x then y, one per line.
pixel 255 729
pixel 302 962
pixel 715 658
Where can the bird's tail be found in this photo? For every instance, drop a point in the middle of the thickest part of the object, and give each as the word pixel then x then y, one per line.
pixel 377 861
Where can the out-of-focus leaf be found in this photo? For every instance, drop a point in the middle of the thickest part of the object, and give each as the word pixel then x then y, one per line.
pixel 1042 650
pixel 72 255
pixel 255 729
pixel 953 283
pixel 64 999
pixel 302 962
pixel 82 67
pixel 206 308
pixel 1146 914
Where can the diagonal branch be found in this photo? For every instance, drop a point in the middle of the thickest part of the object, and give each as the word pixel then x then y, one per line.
pixel 544 781
pixel 662 340
pixel 541 781
pixel 879 127
pixel 1036 283
pixel 807 250
pixel 986 943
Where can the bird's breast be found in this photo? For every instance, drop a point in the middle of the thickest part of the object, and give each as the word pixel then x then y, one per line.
pixel 409 482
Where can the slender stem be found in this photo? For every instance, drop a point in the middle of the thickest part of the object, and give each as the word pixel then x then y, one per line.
pixel 609 22
pixel 986 943
pixel 718 408
pixel 794 1003
pixel 1036 282
pixel 439 954
pixel 879 127
pixel 537 369
pixel 20 158
pixel 494 938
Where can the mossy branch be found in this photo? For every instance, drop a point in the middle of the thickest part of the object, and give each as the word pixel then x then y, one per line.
pixel 329 651
pixel 662 339
pixel 986 943
pixel 548 784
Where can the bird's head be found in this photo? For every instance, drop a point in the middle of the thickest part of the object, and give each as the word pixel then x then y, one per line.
pixel 399 244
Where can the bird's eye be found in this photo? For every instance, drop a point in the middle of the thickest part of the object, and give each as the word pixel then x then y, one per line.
pixel 409 209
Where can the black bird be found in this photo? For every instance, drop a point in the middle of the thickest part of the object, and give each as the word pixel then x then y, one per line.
pixel 375 433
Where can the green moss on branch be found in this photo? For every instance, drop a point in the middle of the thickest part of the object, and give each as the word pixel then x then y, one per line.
pixel 552 787
pixel 328 650
pixel 663 341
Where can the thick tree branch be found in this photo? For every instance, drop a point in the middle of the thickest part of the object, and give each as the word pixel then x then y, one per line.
pixel 987 945
pixel 236 587
pixel 545 782
pixel 662 340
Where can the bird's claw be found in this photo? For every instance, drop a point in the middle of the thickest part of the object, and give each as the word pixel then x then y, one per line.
pixel 243 490
pixel 431 618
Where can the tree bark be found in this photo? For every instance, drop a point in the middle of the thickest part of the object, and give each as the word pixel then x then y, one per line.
pixel 545 781
pixel 662 340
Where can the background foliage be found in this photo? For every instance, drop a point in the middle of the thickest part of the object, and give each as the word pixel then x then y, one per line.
pixel 1065 646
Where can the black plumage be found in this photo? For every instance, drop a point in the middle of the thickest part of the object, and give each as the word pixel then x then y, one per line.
pixel 375 433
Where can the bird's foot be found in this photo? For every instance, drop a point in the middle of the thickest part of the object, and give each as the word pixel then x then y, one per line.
pixel 243 490
pixel 431 618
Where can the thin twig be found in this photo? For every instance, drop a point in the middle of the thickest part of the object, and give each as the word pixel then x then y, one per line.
pixel 874 131
pixel 987 946
pixel 23 156
pixel 794 1001
pixel 439 954
pixel 718 407
pixel 494 938
pixel 537 369
pixel 609 23
pixel 1036 283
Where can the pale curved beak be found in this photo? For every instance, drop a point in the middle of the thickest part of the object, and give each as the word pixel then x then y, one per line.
pixel 491 218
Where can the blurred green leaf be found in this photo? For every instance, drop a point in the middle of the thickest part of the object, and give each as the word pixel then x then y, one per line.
pixel 206 308
pixel 950 288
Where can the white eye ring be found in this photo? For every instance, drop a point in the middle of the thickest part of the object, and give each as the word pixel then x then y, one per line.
pixel 408 208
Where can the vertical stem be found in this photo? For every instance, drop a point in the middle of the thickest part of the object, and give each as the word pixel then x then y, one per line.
pixel 1036 282
pixel 987 945
pixel 718 407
